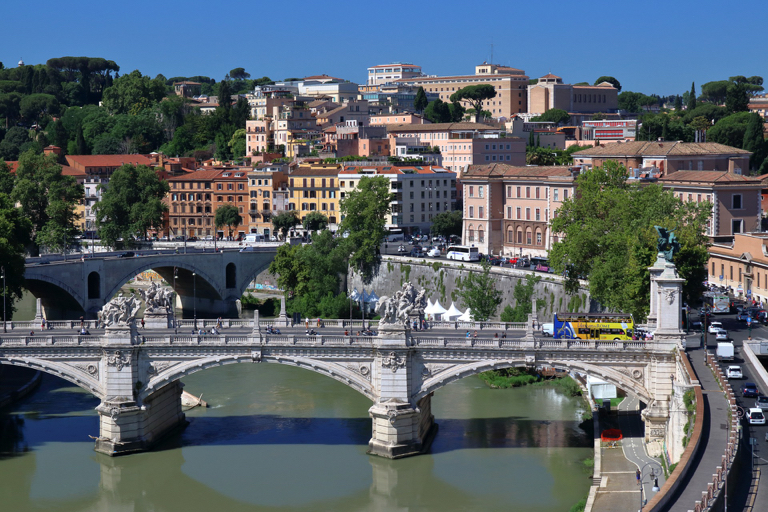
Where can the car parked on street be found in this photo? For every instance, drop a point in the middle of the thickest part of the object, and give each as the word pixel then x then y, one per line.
pixel 749 390
pixel 734 372
pixel 756 416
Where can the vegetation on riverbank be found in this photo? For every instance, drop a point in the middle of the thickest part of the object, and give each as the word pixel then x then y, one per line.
pixel 580 505
pixel 516 377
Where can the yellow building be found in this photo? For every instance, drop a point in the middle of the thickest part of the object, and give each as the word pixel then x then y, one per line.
pixel 315 188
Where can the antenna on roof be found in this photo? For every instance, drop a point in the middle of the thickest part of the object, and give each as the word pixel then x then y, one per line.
pixel 491 50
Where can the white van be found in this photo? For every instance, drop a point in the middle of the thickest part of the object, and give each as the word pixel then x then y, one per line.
pixel 254 237
pixel 548 330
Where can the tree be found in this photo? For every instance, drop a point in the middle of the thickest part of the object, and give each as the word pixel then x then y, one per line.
pixel 480 295
pixel 553 115
pixel 134 92
pixel 36 106
pixel 47 198
pixel 364 212
pixel 523 301
pixel 15 228
pixel 692 97
pixel 131 204
pixel 610 80
pixel 456 111
pixel 421 101
pixel 754 141
pixel 315 221
pixel 227 215
pixel 237 144
pixel 284 222
pixel 715 92
pixel 6 178
pixel 239 74
pixel 475 95
pixel 730 130
pixel 678 103
pixel 736 98
pixel 438 111
pixel 447 223
pixel 610 238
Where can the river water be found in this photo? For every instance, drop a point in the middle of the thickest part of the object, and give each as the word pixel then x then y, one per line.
pixel 278 438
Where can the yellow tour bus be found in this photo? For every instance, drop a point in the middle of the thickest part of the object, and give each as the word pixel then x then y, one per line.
pixel 593 326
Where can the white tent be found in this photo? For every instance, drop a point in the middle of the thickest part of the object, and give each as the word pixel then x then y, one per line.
pixel 429 308
pixel 466 317
pixel 437 310
pixel 453 313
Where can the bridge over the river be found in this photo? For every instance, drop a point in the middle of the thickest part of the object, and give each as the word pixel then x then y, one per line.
pixel 209 282
pixel 137 375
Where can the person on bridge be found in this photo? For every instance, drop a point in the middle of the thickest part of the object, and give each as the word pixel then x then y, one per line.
pixel 142 323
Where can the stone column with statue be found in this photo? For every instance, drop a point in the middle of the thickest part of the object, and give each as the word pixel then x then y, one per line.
pixel 402 426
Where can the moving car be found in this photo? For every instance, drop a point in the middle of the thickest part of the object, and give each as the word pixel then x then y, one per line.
pixel 129 254
pixel 714 327
pixel 434 252
pixel 721 335
pixel 756 416
pixel 762 402
pixel 749 390
pixel 734 372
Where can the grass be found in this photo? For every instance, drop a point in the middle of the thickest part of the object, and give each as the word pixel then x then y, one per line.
pixel 509 378
pixel 614 402
pixel 579 506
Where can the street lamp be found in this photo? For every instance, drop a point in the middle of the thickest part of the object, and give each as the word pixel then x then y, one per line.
pixel 5 329
pixel 653 479
pixel 175 275
pixel 194 295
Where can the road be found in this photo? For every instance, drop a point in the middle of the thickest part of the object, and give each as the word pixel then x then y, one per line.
pixel 633 445
pixel 739 332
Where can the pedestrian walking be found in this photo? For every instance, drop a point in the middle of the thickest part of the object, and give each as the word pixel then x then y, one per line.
pixel 142 323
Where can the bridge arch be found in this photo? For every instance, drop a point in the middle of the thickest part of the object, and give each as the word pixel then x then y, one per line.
pixel 203 281
pixel 94 285
pixel 608 374
pixel 82 378
pixel 335 371
pixel 231 275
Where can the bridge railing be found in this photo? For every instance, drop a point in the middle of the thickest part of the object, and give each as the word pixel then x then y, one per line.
pixel 546 343
pixel 47 341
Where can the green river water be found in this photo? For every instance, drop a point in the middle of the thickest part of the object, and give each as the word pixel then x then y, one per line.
pixel 277 438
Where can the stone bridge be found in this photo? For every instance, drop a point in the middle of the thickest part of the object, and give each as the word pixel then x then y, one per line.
pixel 208 282
pixel 137 378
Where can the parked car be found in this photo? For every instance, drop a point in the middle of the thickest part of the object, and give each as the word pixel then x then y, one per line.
pixel 714 327
pixel 734 372
pixel 721 335
pixel 749 390
pixel 756 416
pixel 433 252
pixel 762 402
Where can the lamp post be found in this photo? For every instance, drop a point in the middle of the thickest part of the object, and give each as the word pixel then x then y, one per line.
pixel 175 275
pixel 5 329
pixel 194 296
pixel 653 479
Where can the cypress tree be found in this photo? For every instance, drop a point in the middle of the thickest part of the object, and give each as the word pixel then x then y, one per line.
pixel 754 142
pixel 692 97
pixel 678 103
pixel 421 101
pixel 538 141
pixel 530 139
pixel 80 142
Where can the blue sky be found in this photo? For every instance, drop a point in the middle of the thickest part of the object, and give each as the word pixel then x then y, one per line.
pixel 651 46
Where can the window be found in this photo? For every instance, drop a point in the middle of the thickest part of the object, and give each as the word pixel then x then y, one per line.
pixel 509 191
pixel 538 213
pixel 520 236
pixel 527 214
pixel 471 191
pixel 736 202
pixel 471 234
pixel 538 238
pixel 538 193
pixel 471 211
pixel 519 215
pixel 565 194
pixel 556 194
pixel 480 234
pixel 528 238
pixel 518 192
pixel 509 212
pixel 528 192
pixel 480 191
pixel 731 272
pixel 480 212
pixel 737 226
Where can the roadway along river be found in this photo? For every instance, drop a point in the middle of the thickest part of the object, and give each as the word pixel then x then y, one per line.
pixel 282 438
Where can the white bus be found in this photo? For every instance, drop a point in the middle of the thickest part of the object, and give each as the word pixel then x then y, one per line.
pixel 395 235
pixel 463 253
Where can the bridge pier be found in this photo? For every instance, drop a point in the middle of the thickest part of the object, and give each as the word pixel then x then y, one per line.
pixel 128 424
pixel 400 427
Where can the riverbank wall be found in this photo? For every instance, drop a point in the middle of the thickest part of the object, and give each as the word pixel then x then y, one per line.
pixel 17 383
pixel 443 280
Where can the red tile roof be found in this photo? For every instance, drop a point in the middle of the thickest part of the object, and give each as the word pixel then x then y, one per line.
pixel 106 160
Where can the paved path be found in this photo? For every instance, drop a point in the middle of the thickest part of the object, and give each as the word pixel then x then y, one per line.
pixel 714 436
pixel 633 445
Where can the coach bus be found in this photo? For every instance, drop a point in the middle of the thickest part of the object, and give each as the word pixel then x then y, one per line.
pixel 463 253
pixel 719 303
pixel 593 326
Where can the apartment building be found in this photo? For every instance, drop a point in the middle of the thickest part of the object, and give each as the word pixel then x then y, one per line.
pixel 315 188
pixel 511 86
pixel 461 144
pixel 194 198
pixel 268 196
pixel 668 156
pixel 351 139
pixel 508 209
pixel 736 199
pixel 388 73
pixel 742 265
pixel 420 192
pixel 550 92
pixel 404 118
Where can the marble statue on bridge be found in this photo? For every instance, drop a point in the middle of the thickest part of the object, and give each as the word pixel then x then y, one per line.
pixel 120 311
pixel 158 299
pixel 397 310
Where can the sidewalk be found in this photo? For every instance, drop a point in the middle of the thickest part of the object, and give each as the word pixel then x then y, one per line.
pixel 714 437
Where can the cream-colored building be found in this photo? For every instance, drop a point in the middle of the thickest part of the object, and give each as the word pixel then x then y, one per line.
pixel 511 86
pixel 421 192
pixel 550 92
pixel 388 73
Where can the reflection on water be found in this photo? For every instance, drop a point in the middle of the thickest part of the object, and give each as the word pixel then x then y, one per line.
pixel 281 438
